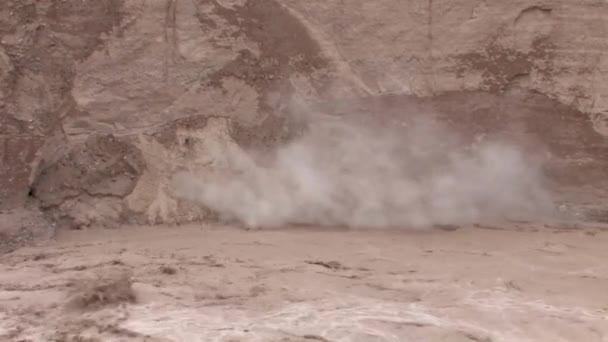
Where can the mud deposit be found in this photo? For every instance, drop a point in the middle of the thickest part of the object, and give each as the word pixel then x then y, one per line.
pixel 319 170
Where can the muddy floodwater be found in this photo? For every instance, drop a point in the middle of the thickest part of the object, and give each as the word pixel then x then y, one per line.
pixel 522 282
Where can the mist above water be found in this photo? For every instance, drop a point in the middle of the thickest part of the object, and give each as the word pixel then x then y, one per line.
pixel 346 173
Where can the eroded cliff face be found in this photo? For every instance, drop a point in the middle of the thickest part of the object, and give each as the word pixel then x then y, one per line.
pixel 103 101
pixel 429 47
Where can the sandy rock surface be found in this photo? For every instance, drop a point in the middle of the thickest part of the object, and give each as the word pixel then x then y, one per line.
pixel 150 75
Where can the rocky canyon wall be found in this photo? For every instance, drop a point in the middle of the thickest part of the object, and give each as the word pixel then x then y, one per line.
pixel 103 101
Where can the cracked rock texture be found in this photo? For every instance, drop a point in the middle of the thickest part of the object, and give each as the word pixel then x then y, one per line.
pixel 102 101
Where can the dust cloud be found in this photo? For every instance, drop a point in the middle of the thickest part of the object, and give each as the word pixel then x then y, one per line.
pixel 355 174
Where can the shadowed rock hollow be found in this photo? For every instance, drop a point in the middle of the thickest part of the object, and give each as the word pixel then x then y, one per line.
pixel 102 102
